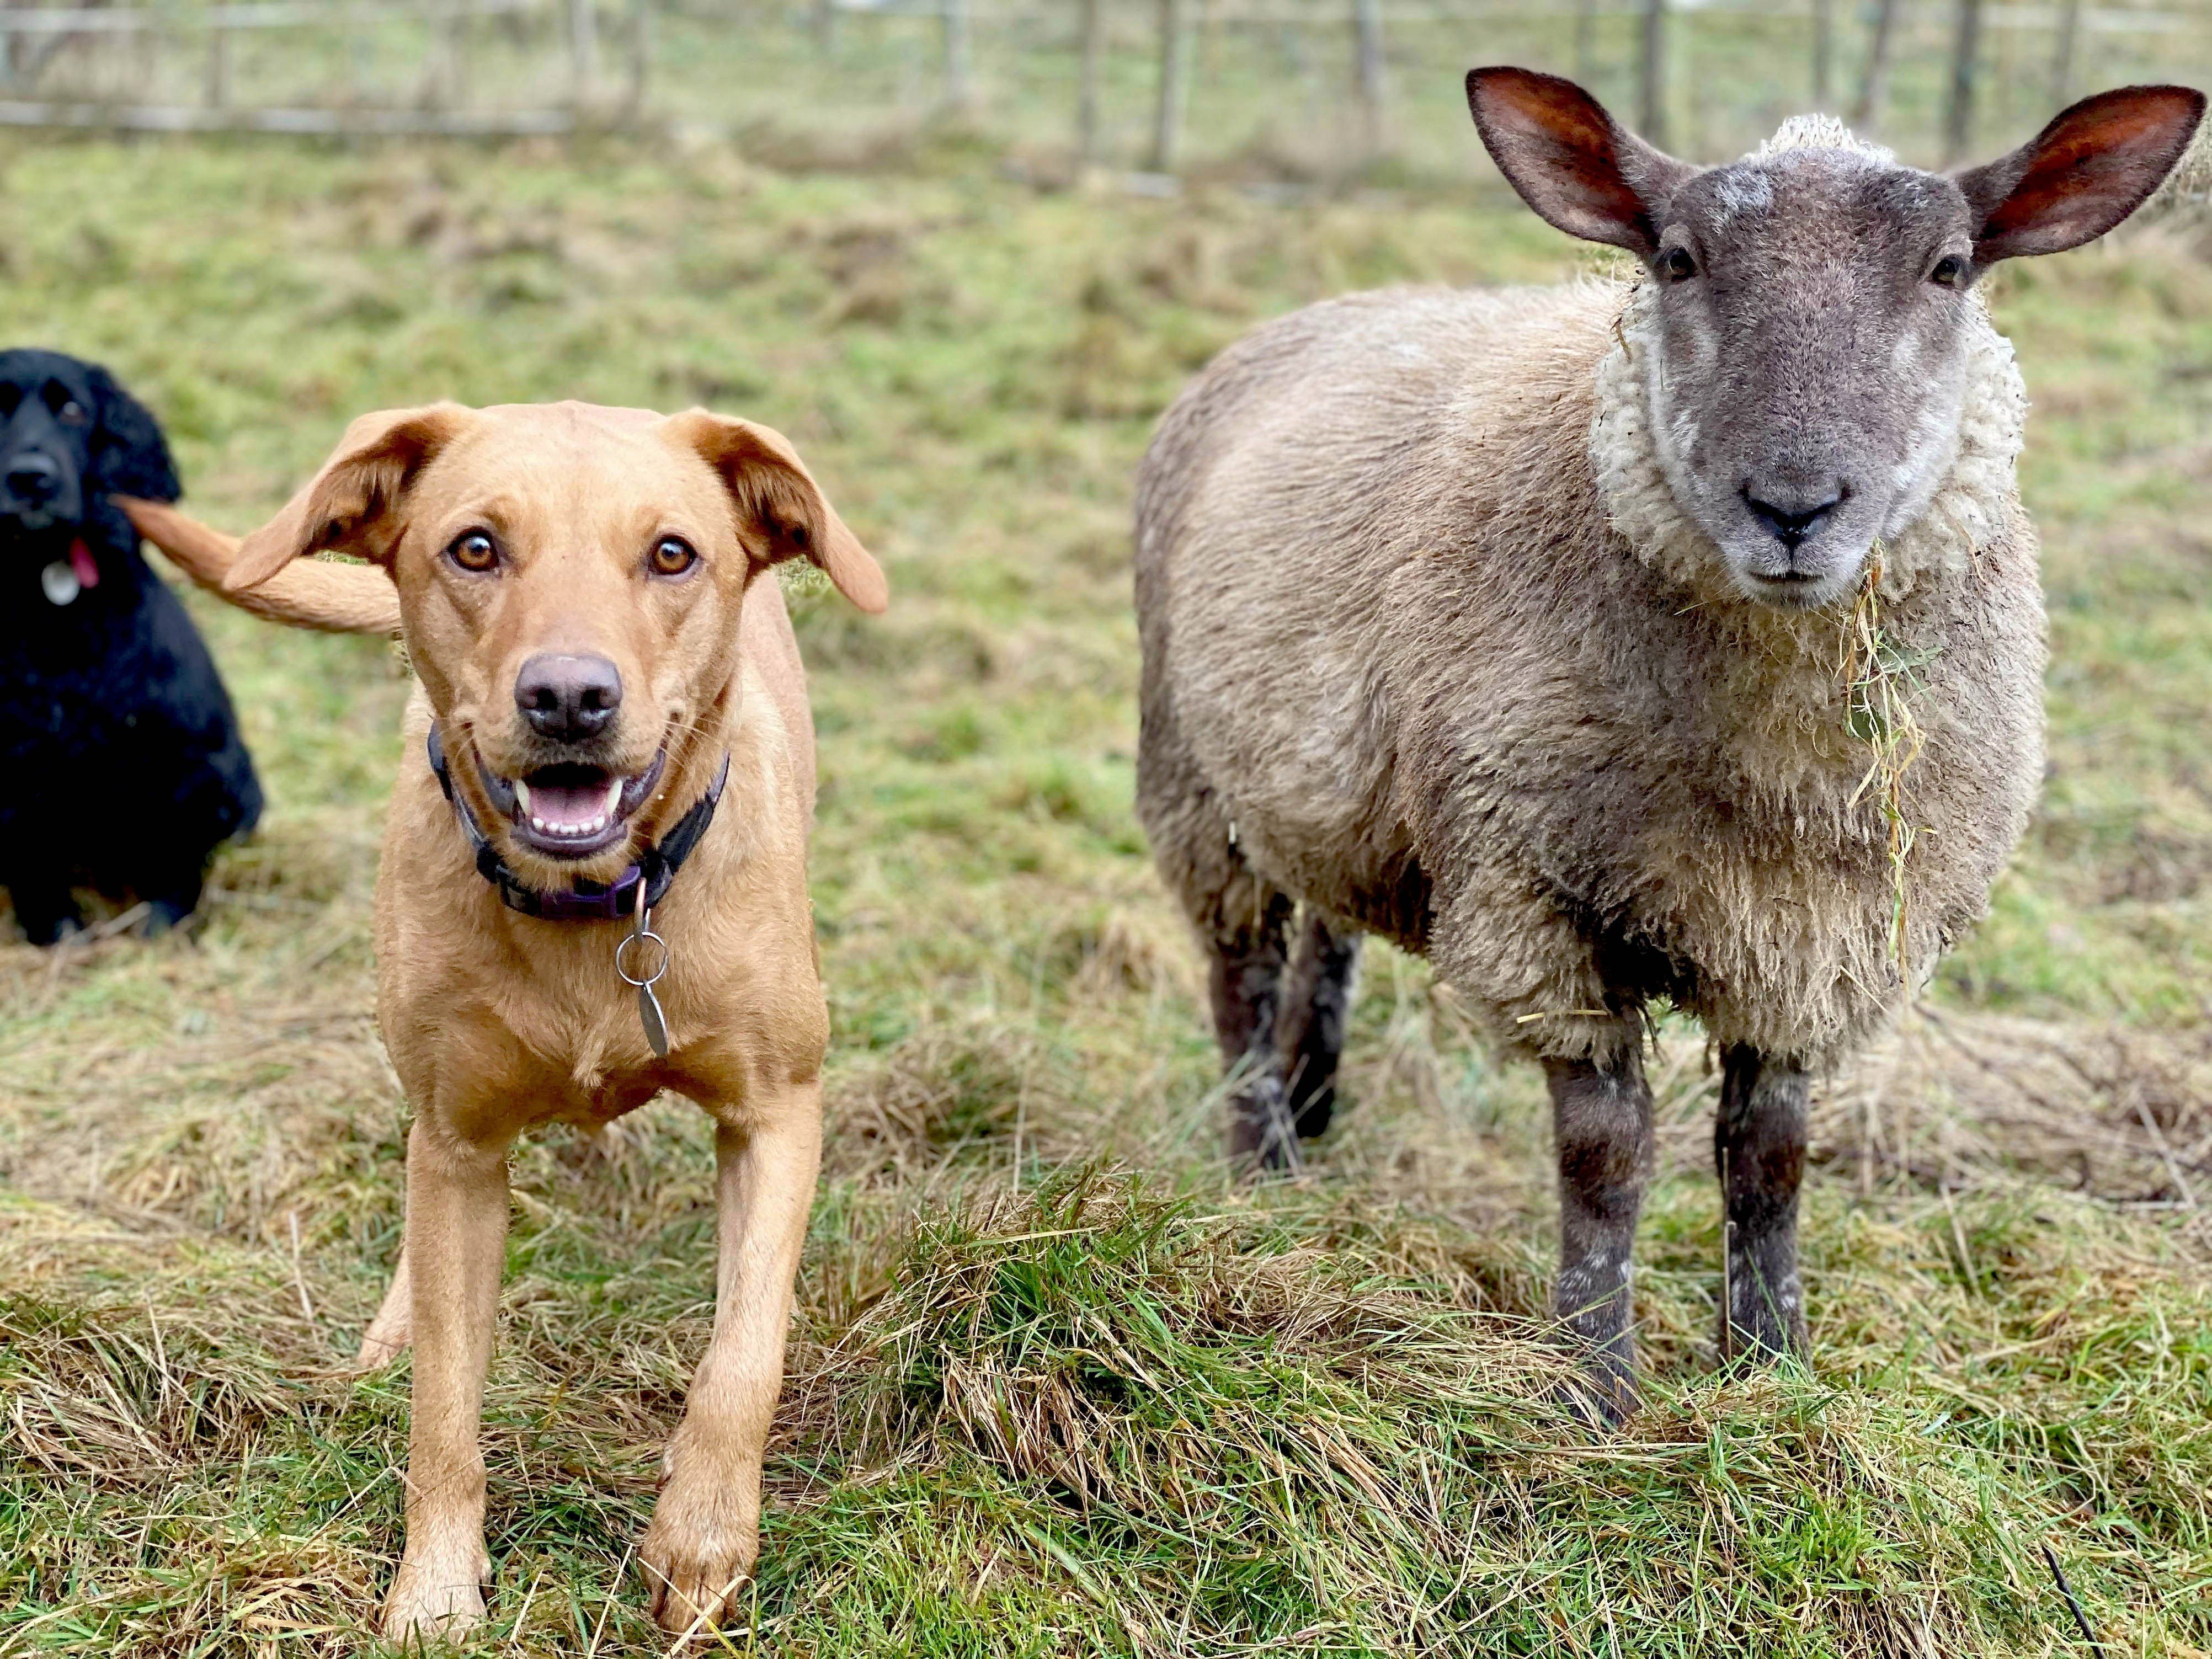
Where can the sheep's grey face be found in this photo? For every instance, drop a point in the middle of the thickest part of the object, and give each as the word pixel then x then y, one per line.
pixel 1812 311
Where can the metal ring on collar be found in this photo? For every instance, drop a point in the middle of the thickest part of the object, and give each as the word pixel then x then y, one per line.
pixel 622 958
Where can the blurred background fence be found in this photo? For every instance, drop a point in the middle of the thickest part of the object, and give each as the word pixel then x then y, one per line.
pixel 1292 88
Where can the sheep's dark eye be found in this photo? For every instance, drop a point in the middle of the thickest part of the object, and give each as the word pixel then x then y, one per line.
pixel 671 556
pixel 475 551
pixel 1676 264
pixel 1950 272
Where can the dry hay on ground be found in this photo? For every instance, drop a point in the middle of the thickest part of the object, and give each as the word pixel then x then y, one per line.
pixel 2113 1112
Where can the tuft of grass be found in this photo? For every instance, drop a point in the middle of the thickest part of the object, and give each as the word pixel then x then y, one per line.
pixel 1882 681
pixel 1056 1385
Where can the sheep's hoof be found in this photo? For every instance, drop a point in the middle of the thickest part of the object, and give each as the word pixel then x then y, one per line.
pixel 1768 1336
pixel 1311 1112
pixel 1263 1135
pixel 1601 1395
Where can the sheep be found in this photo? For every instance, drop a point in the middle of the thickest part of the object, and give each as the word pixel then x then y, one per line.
pixel 1522 629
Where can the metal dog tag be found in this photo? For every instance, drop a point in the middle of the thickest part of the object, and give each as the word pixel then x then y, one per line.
pixel 60 583
pixel 642 946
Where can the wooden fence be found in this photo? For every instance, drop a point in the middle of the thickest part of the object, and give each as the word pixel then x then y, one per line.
pixel 585 63
pixel 34 42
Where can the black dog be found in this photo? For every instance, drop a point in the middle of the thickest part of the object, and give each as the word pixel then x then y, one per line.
pixel 121 768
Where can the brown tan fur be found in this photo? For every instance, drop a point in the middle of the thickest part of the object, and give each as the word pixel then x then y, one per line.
pixel 497 1022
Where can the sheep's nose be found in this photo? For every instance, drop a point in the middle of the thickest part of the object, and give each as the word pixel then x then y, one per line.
pixel 568 698
pixel 33 478
pixel 1797 515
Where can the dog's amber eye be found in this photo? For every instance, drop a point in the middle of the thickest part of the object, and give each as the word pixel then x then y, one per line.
pixel 73 412
pixel 474 551
pixel 671 556
pixel 1950 272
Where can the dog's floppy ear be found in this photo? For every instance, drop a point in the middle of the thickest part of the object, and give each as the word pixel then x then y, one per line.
pixel 130 457
pixel 781 511
pixel 353 505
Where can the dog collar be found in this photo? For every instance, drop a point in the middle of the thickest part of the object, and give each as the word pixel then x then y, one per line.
pixel 586 899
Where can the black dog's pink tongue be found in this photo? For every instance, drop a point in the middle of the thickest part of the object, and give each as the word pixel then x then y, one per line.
pixel 81 561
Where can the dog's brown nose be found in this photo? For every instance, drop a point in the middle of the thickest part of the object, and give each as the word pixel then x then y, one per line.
pixel 568 698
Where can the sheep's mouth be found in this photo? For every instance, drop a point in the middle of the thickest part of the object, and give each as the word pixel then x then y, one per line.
pixel 1794 590
pixel 567 810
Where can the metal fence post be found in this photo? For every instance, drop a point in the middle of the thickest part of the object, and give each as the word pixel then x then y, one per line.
pixel 1374 92
pixel 954 15
pixel 1652 116
pixel 1093 22
pixel 641 56
pixel 218 68
pixel 1824 51
pixel 1959 116
pixel 1175 76
pixel 2061 59
pixel 583 52
pixel 1874 90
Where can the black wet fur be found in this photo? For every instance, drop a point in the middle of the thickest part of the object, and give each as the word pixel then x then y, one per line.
pixel 1759 1150
pixel 121 766
pixel 1602 1126
pixel 1247 986
pixel 1317 1003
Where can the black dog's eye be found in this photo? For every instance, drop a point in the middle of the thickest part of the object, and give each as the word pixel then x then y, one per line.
pixel 1676 264
pixel 1950 272
pixel 72 413
pixel 475 551
pixel 11 399
pixel 671 556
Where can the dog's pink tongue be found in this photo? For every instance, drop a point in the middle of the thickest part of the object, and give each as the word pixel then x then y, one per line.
pixel 567 806
pixel 81 561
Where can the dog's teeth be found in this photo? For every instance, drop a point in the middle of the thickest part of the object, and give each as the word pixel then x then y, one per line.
pixel 539 824
pixel 522 795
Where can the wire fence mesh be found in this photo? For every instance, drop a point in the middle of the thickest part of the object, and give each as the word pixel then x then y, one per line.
pixel 1294 88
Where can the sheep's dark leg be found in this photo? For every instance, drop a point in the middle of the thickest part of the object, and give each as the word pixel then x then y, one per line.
pixel 1247 982
pixel 1315 1008
pixel 1758 1146
pixel 1602 1119
pixel 1242 917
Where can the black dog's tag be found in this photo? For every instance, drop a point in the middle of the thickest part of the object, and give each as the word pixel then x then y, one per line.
pixel 60 583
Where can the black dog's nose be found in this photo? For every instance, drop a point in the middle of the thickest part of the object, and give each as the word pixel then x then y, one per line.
pixel 568 698
pixel 1791 524
pixel 33 478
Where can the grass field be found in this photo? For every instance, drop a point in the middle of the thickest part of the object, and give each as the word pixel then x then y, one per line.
pixel 1058 1387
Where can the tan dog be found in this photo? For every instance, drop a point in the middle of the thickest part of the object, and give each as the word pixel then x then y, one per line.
pixel 585 597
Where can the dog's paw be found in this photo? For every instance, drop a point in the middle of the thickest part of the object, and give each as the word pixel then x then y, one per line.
pixel 434 1598
pixel 697 1559
pixel 383 1342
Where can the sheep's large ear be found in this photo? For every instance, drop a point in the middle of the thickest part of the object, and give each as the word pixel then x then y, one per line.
pixel 781 511
pixel 1579 168
pixel 2096 163
pixel 130 457
pixel 352 504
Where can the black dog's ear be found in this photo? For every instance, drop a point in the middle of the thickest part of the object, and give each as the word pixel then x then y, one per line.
pixel 130 457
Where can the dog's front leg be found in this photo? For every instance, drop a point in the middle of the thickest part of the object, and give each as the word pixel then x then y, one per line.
pixel 706 1529
pixel 456 1244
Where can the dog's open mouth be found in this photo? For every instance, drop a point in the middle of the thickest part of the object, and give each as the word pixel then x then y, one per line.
pixel 569 811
